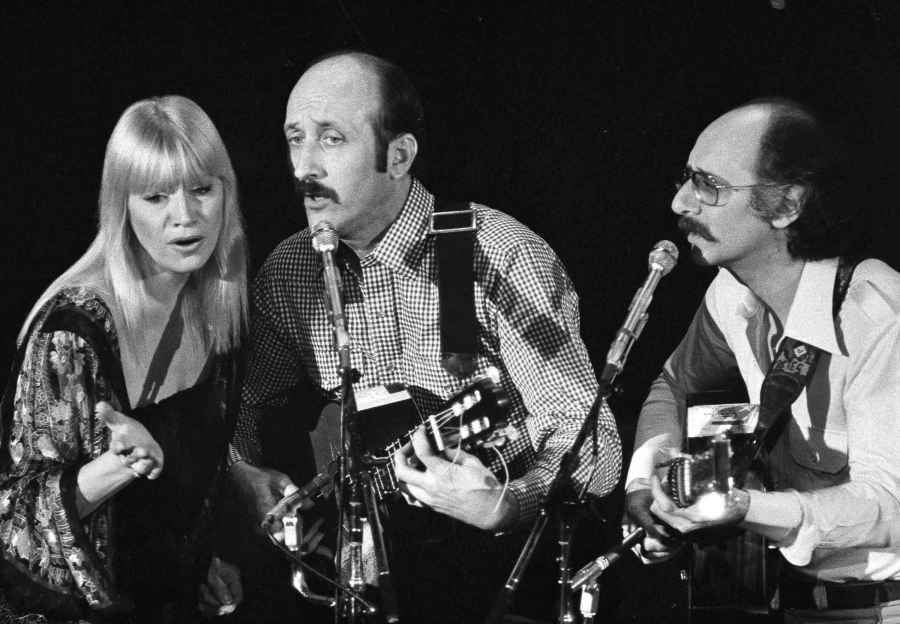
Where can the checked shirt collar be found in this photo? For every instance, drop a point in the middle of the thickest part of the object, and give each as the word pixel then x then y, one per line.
pixel 402 250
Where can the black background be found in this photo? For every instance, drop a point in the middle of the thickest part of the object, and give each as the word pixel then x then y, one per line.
pixel 574 117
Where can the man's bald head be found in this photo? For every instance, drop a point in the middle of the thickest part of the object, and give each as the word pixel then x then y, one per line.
pixel 396 107
pixel 792 147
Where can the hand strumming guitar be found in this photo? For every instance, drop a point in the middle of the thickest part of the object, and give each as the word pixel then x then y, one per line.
pixel 454 483
pixel 710 511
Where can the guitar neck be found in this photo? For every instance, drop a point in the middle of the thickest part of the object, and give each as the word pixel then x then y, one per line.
pixel 383 476
pixel 470 419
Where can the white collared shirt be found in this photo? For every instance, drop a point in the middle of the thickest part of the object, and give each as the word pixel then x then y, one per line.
pixel 839 458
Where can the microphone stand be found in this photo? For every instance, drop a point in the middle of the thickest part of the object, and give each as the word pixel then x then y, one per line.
pixel 558 501
pixel 348 499
pixel 559 504
pixel 356 503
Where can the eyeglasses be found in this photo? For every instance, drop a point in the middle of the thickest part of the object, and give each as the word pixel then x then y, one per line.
pixel 709 192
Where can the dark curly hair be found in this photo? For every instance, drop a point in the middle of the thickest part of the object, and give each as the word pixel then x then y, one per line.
pixel 798 149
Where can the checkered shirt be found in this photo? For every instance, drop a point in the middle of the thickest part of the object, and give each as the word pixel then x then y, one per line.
pixel 528 328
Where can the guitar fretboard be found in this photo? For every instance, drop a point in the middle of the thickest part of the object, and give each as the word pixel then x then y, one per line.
pixel 445 428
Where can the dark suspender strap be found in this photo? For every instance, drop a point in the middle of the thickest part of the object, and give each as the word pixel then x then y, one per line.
pixel 791 371
pixel 453 229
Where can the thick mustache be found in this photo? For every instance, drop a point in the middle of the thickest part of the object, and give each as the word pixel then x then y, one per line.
pixel 688 226
pixel 313 188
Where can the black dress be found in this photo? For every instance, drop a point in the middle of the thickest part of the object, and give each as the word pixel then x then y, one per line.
pixel 164 529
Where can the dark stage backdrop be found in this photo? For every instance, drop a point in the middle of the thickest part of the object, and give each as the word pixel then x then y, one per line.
pixel 574 117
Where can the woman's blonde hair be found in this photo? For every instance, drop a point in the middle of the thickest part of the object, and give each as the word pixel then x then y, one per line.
pixel 161 144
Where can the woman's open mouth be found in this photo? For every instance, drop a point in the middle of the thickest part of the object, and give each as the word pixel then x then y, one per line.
pixel 188 243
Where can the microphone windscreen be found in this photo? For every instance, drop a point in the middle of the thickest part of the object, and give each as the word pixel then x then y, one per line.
pixel 664 256
pixel 324 237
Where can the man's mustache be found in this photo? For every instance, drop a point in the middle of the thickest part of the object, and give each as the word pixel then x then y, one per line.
pixel 689 226
pixel 314 188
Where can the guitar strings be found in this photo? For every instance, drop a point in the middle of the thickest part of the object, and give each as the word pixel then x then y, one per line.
pixel 505 479
pixel 458 444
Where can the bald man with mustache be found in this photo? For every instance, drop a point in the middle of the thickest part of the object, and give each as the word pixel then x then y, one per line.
pixel 762 198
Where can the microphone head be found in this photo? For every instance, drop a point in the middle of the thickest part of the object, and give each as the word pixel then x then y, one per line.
pixel 663 256
pixel 324 237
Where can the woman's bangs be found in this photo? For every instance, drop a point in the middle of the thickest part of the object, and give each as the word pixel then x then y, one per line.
pixel 164 166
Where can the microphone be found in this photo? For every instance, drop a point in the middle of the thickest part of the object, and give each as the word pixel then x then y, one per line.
pixel 661 261
pixel 325 242
pixel 596 567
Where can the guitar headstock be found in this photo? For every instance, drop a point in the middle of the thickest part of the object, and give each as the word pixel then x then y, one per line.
pixel 473 418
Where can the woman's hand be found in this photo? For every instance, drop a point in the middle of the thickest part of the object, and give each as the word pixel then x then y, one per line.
pixel 222 592
pixel 132 443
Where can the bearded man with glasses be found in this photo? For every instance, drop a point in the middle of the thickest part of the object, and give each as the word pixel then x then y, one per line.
pixel 763 198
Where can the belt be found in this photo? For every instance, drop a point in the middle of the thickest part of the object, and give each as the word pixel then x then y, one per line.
pixel 823 595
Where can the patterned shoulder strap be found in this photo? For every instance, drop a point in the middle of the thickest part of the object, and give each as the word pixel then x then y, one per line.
pixel 791 371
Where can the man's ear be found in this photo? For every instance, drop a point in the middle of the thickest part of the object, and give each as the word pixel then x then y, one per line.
pixel 792 204
pixel 402 152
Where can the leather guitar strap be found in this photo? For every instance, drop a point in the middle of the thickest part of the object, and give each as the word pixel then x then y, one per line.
pixel 790 372
pixel 453 228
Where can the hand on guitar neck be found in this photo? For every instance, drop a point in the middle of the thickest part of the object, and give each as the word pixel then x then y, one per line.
pixel 660 541
pixel 447 478
pixel 454 483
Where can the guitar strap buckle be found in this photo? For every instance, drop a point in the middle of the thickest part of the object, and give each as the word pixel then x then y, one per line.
pixel 451 221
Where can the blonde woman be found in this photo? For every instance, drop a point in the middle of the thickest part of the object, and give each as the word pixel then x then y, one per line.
pixel 117 416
